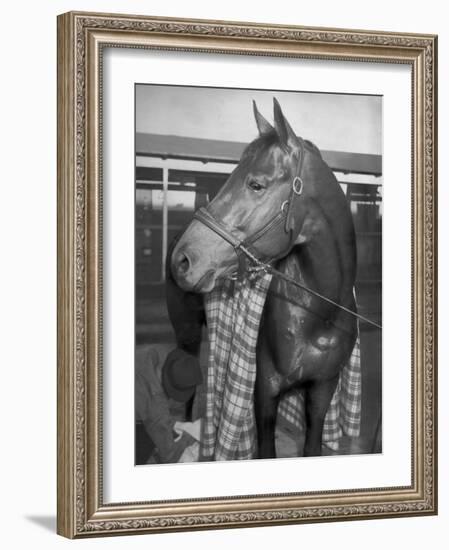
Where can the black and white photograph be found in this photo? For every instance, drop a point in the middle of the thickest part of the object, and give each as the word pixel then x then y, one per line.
pixel 258 274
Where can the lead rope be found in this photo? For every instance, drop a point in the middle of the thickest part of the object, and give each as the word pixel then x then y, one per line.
pixel 267 268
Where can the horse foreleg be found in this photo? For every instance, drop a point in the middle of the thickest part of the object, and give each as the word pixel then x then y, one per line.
pixel 266 412
pixel 318 396
pixel 266 399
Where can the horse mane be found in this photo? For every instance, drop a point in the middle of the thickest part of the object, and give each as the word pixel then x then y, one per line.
pixel 261 144
pixel 266 141
pixel 313 148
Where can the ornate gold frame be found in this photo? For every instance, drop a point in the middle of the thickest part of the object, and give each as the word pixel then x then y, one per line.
pixel 81 37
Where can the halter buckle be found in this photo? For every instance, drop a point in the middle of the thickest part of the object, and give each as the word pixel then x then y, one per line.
pixel 284 206
pixel 297 181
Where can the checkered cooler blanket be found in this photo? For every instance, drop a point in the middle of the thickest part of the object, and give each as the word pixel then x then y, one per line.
pixel 233 311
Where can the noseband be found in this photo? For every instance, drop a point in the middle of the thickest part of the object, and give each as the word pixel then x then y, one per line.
pixel 286 212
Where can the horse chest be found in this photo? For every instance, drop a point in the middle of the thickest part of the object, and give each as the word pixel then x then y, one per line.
pixel 297 337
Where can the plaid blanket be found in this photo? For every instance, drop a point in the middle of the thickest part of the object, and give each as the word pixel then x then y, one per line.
pixel 233 311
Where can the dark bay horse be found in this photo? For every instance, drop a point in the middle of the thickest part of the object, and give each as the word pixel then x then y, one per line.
pixel 281 205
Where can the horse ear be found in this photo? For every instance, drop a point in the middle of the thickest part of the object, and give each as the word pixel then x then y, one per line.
pixel 282 126
pixel 263 125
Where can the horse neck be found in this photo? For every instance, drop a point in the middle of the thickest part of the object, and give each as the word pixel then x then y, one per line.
pixel 327 258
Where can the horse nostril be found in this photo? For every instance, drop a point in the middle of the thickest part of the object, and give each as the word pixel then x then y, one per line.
pixel 183 263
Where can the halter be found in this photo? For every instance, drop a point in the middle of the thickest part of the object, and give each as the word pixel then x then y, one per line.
pixel 286 211
pixel 245 247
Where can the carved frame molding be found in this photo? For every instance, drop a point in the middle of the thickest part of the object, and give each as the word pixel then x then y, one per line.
pixel 81 38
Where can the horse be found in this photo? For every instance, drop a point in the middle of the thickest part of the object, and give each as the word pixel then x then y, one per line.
pixel 281 206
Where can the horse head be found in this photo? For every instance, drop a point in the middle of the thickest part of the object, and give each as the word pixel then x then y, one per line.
pixel 268 203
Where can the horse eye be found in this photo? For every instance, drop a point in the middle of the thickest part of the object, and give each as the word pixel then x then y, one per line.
pixel 255 186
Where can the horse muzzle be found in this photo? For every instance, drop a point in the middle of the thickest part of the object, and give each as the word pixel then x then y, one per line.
pixel 199 258
pixel 187 277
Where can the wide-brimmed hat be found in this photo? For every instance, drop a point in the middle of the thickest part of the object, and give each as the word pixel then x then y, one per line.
pixel 181 373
